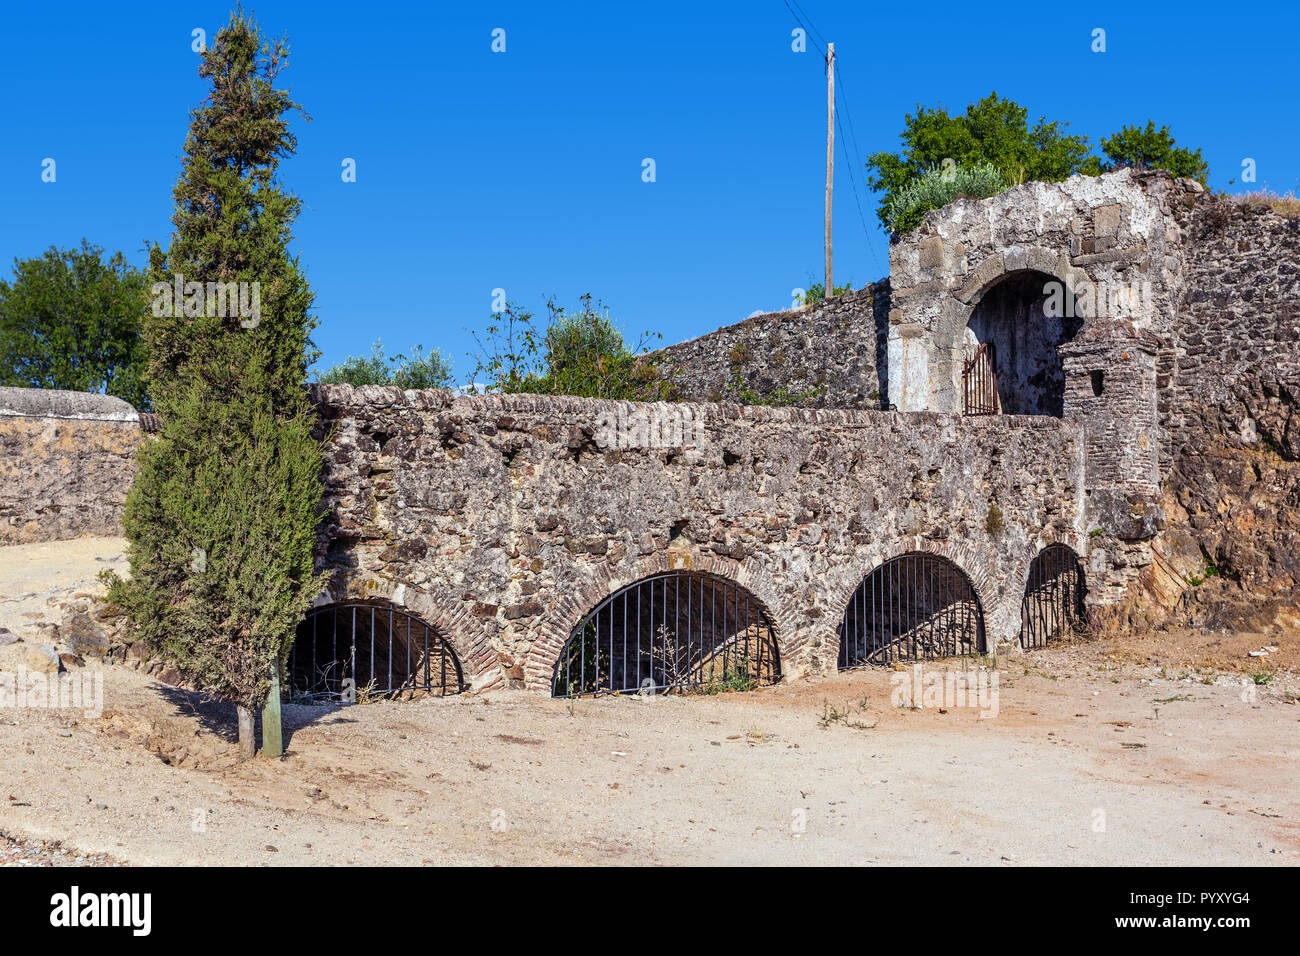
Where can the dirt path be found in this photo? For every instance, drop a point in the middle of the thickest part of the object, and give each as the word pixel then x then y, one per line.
pixel 1090 759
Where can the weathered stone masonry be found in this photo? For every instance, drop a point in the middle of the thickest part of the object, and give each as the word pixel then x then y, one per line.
pixel 831 354
pixel 1170 440
pixel 66 461
pixel 502 520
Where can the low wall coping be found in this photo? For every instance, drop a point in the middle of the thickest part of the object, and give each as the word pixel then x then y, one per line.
pixel 389 396
pixel 57 403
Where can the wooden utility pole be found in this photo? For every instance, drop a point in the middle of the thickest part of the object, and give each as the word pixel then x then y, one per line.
pixel 830 157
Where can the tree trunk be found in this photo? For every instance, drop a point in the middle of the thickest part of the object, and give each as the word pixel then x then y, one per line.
pixel 247 742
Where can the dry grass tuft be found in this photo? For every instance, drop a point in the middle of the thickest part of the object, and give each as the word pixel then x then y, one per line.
pixel 1287 205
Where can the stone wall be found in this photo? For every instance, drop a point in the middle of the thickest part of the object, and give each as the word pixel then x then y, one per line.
pixel 502 520
pixel 830 354
pixel 66 462
pixel 1242 305
pixel 1112 241
pixel 1230 557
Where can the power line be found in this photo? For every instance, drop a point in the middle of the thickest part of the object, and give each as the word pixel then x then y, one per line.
pixel 856 169
pixel 853 182
pixel 808 32
pixel 810 23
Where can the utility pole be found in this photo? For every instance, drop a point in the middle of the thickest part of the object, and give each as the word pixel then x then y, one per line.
pixel 830 156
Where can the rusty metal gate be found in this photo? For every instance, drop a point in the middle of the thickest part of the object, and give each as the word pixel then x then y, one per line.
pixel 674 631
pixel 979 381
pixel 365 649
pixel 916 606
pixel 1053 606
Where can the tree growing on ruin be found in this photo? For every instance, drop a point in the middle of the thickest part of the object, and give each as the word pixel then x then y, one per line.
pixel 992 132
pixel 1146 147
pixel 222 516
pixel 71 319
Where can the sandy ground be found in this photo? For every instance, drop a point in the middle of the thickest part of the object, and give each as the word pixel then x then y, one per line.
pixel 34 576
pixel 1098 754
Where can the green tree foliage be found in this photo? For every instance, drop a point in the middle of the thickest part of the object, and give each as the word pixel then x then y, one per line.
pixel 1149 148
pixel 222 517
pixel 579 352
pixel 415 371
pixel 935 188
pixel 994 131
pixel 69 319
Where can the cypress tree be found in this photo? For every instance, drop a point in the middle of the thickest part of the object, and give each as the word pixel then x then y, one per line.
pixel 222 516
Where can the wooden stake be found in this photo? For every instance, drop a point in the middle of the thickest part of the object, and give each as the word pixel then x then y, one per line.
pixel 272 731
pixel 830 157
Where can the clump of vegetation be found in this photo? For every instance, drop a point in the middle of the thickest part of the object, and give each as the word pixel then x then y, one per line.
pixel 579 352
pixel 1264 675
pixel 743 394
pixel 1286 205
pixel 834 715
pixel 994 523
pixel 735 677
pixel 995 132
pixel 816 291
pixel 739 354
pixel 69 319
pixel 413 372
pixel 938 186
pixel 1138 147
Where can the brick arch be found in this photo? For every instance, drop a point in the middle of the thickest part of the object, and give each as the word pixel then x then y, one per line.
pixel 997 266
pixel 967 560
pixel 603 582
pixel 1018 573
pixel 455 623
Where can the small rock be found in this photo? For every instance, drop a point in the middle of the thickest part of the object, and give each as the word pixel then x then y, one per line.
pixel 8 637
pixel 42 658
pixel 84 636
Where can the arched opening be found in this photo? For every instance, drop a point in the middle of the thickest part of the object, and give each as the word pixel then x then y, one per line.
pixel 1012 365
pixel 675 631
pixel 358 650
pixel 916 606
pixel 1053 607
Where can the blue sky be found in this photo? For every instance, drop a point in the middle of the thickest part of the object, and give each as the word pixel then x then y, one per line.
pixel 522 170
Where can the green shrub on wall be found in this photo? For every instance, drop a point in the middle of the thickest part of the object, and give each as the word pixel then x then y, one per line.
pixel 937 187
